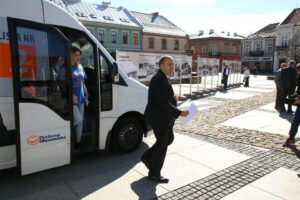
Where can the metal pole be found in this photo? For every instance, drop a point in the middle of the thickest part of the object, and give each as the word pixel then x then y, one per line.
pixel 212 78
pixel 191 82
pixel 198 61
pixel 180 73
pixel 204 82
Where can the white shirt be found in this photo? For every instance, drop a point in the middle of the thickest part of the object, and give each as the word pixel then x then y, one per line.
pixel 247 73
pixel 226 72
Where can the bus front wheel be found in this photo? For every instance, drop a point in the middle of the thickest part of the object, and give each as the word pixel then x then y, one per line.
pixel 127 135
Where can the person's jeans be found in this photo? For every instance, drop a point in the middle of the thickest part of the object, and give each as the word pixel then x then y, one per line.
pixel 78 114
pixel 295 123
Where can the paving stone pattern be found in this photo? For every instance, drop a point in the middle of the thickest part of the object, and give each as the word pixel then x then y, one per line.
pixel 224 182
pixel 207 123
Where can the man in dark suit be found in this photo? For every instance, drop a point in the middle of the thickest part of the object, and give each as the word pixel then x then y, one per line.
pixel 289 83
pixel 160 113
pixel 225 74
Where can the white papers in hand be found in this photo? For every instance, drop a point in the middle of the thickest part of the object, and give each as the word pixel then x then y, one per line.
pixel 193 110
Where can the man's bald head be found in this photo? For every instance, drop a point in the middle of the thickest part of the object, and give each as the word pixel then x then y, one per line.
pixel 166 64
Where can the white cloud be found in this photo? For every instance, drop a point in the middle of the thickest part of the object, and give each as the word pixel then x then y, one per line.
pixel 242 24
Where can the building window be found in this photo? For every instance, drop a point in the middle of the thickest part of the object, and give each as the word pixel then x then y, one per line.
pixel 203 48
pixel 101 36
pixel 151 43
pixel 270 47
pixel 113 37
pixel 284 41
pixel 91 29
pixel 135 38
pixel 226 48
pixel 257 47
pixel 163 44
pixel 214 49
pixel 234 48
pixel 247 48
pixel 125 37
pixel 176 45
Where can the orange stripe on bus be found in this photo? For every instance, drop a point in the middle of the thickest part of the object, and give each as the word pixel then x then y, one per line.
pixel 28 67
pixel 5 64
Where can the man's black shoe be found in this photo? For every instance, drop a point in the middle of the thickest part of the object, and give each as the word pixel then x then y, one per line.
pixel 145 162
pixel 288 142
pixel 159 179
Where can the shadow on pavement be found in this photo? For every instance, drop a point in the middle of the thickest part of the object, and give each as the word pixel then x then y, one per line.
pixel 295 150
pixel 87 174
pixel 138 186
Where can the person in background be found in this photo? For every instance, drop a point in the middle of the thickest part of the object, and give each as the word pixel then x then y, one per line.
pixel 289 83
pixel 277 79
pixel 298 79
pixel 296 121
pixel 225 74
pixel 246 76
pixel 161 112
pixel 80 94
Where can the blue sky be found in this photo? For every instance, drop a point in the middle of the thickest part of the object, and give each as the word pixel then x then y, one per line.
pixel 241 16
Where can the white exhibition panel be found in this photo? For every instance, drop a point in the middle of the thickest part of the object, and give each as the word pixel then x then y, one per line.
pixel 8 157
pixel 45 138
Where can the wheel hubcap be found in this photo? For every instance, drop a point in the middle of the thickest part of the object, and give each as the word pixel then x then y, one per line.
pixel 129 136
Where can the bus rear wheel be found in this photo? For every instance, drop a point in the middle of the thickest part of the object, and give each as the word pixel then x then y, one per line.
pixel 127 135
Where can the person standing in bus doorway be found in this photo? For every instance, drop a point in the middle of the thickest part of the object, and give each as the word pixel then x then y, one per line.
pixel 79 94
pixel 225 74
pixel 161 112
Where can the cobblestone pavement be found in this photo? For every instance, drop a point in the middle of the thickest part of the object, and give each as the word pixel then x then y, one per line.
pixel 229 180
pixel 207 121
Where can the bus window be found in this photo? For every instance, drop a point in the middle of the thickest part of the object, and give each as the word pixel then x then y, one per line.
pixel 105 83
pixel 40 62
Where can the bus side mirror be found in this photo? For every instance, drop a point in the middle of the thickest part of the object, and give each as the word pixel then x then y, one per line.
pixel 115 73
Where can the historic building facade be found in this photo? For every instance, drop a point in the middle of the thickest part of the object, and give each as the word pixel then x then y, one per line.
pixel 288 40
pixel 224 45
pixel 115 28
pixel 160 35
pixel 258 49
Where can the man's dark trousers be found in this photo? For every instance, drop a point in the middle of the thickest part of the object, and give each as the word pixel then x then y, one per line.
pixel 155 156
pixel 225 81
pixel 295 124
pixel 286 93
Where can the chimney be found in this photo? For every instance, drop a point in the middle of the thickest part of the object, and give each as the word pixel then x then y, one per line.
pixel 201 32
pixel 105 3
pixel 211 31
pixel 235 34
pixel 228 33
pixel 223 32
pixel 155 13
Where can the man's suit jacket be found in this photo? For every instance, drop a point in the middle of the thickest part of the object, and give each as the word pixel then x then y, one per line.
pixel 289 78
pixel 161 110
pixel 224 73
